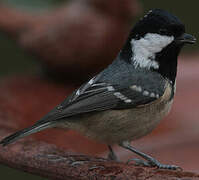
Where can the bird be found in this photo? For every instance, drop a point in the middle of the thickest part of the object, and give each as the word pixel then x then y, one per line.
pixel 126 100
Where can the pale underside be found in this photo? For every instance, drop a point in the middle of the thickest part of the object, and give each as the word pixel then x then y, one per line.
pixel 124 125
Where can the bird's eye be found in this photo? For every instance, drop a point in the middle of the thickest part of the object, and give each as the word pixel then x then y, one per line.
pixel 163 31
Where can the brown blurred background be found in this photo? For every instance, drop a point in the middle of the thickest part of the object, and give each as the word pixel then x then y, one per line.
pixel 16 61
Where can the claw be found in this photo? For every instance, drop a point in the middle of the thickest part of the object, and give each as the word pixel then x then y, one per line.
pixel 166 166
pixel 150 161
pixel 153 163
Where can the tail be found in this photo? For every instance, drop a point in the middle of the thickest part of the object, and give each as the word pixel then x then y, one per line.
pixel 25 132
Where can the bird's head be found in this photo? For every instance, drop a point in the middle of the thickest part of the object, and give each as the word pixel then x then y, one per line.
pixel 155 42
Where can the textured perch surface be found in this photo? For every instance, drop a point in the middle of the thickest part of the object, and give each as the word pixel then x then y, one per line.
pixel 48 161
pixel 21 106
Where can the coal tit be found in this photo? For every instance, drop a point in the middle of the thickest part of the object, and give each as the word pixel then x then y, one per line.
pixel 127 99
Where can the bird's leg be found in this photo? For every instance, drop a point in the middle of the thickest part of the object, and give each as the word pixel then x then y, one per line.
pixel 112 155
pixel 150 161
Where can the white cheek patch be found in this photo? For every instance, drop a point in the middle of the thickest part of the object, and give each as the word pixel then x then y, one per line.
pixel 145 49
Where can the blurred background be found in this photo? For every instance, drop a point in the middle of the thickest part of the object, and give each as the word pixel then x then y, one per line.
pixel 20 58
pixel 17 61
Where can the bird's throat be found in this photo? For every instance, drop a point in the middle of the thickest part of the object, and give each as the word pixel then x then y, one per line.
pixel 167 60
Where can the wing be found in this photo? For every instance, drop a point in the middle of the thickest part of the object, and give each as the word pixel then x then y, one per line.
pixel 99 96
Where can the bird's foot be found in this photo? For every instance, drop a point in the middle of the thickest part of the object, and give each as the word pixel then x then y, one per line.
pixel 112 156
pixel 149 161
pixel 154 163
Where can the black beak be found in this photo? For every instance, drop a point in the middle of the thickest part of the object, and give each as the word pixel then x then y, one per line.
pixel 186 38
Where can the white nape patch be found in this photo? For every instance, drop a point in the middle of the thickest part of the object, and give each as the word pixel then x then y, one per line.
pixel 145 49
pixel 122 97
pixel 146 15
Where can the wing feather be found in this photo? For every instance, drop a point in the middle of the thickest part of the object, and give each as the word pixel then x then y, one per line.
pixel 99 96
